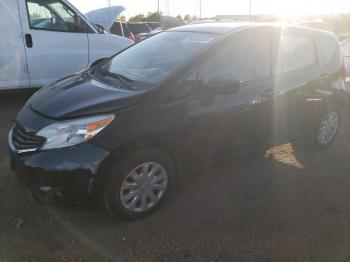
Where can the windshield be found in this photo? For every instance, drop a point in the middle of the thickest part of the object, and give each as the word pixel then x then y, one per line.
pixel 156 58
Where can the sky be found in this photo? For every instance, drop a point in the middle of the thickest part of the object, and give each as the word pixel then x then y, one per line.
pixel 285 8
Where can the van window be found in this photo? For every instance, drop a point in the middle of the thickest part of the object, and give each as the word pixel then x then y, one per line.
pixel 245 58
pixel 54 16
pixel 295 52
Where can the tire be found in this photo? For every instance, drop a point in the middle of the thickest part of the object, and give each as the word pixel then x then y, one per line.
pixel 316 138
pixel 130 194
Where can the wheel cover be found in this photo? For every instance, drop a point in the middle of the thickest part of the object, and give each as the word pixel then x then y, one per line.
pixel 328 128
pixel 143 187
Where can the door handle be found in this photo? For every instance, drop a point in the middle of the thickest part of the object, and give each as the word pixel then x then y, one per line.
pixel 268 93
pixel 29 40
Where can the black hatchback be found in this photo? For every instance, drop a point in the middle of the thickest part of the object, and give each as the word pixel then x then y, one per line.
pixel 126 129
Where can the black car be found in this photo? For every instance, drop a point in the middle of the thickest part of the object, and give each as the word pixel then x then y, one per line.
pixel 122 29
pixel 125 130
pixel 140 30
pixel 154 25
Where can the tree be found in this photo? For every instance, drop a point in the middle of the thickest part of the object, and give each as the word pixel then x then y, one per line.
pixel 187 17
pixel 122 18
pixel 179 17
pixel 151 17
pixel 154 17
pixel 137 18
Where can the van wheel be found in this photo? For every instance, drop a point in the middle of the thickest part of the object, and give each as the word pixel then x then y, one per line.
pixel 138 184
pixel 322 134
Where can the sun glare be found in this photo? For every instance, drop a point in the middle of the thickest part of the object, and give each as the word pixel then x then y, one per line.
pixel 285 9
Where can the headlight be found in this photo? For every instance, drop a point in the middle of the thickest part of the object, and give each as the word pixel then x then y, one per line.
pixel 73 132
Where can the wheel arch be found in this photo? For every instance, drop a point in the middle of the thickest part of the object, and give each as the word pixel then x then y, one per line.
pixel 167 144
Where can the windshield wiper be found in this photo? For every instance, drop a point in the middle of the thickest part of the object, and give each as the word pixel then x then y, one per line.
pixel 123 79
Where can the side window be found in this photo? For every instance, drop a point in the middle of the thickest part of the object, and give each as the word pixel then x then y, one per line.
pixel 54 16
pixel 244 58
pixel 295 52
pixel 328 48
pixel 184 86
pixel 116 29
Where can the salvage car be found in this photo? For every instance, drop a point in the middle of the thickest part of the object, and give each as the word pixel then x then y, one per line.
pixel 125 130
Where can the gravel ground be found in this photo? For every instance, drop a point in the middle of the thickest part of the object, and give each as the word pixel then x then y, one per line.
pixel 281 206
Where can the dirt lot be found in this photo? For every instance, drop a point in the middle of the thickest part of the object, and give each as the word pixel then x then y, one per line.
pixel 279 207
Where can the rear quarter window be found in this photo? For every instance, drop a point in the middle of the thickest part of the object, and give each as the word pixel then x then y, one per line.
pixel 296 51
pixel 328 47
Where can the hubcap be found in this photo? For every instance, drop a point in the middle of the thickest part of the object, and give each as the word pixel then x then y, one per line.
pixel 328 128
pixel 143 187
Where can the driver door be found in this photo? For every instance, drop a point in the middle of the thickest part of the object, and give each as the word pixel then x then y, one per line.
pixel 56 40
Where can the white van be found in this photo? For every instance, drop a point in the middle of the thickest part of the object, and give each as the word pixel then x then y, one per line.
pixel 44 40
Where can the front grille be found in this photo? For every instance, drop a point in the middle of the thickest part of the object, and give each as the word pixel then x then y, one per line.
pixel 23 139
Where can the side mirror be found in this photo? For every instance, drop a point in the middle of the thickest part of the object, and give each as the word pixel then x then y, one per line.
pixel 220 86
pixel 100 28
pixel 223 86
pixel 99 61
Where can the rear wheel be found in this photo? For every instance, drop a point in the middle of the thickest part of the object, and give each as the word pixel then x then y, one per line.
pixel 328 129
pixel 322 134
pixel 138 184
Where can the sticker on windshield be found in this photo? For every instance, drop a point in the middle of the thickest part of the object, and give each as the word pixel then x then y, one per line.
pixel 202 39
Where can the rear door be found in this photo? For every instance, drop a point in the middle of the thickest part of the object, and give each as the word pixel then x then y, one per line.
pixel 56 40
pixel 295 74
pixel 13 62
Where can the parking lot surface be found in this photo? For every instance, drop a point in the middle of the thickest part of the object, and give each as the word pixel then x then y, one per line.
pixel 281 206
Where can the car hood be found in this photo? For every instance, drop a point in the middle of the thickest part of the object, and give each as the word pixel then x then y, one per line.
pixel 80 95
pixel 105 16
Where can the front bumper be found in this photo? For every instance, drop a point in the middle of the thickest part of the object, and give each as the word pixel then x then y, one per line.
pixel 66 173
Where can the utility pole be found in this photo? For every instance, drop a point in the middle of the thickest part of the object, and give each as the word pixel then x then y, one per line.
pixel 167 7
pixel 200 9
pixel 158 6
pixel 109 11
pixel 250 10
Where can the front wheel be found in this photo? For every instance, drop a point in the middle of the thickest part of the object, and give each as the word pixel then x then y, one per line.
pixel 138 184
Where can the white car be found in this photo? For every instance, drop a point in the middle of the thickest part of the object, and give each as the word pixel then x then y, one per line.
pixel 45 40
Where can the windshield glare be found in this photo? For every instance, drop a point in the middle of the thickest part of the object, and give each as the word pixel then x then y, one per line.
pixel 156 58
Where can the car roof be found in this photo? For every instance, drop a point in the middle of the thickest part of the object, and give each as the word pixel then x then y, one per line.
pixel 223 28
pixel 137 23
